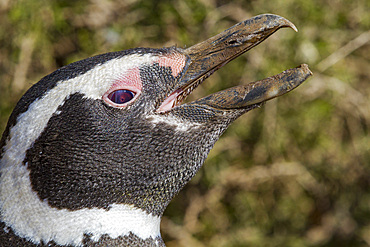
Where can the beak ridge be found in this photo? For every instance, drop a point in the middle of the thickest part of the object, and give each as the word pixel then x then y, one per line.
pixel 213 53
pixel 206 57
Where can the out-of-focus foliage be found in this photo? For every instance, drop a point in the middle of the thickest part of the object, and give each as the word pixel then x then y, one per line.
pixel 293 173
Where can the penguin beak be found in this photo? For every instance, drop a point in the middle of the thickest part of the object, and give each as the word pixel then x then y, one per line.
pixel 213 53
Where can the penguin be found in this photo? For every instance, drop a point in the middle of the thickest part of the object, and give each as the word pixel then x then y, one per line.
pixel 95 151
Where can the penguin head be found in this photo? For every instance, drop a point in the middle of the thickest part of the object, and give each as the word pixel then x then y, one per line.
pixel 112 130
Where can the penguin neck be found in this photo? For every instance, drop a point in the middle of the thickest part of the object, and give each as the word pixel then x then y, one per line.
pixel 119 224
pixel 8 236
pixel 30 218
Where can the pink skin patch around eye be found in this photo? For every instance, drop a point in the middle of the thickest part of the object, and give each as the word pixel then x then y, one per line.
pixel 130 78
pixel 175 61
pixel 129 81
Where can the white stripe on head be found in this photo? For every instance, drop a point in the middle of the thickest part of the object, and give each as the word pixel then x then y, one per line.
pixel 179 124
pixel 21 208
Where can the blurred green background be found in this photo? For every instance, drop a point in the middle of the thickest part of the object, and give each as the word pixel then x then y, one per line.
pixel 295 172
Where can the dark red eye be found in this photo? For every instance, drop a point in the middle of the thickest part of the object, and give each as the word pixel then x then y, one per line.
pixel 121 96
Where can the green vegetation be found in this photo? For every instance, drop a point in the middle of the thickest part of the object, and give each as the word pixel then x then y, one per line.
pixel 295 172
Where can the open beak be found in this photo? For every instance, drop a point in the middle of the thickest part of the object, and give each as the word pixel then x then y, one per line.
pixel 213 53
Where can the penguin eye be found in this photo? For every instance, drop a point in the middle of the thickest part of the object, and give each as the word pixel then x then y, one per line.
pixel 121 96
